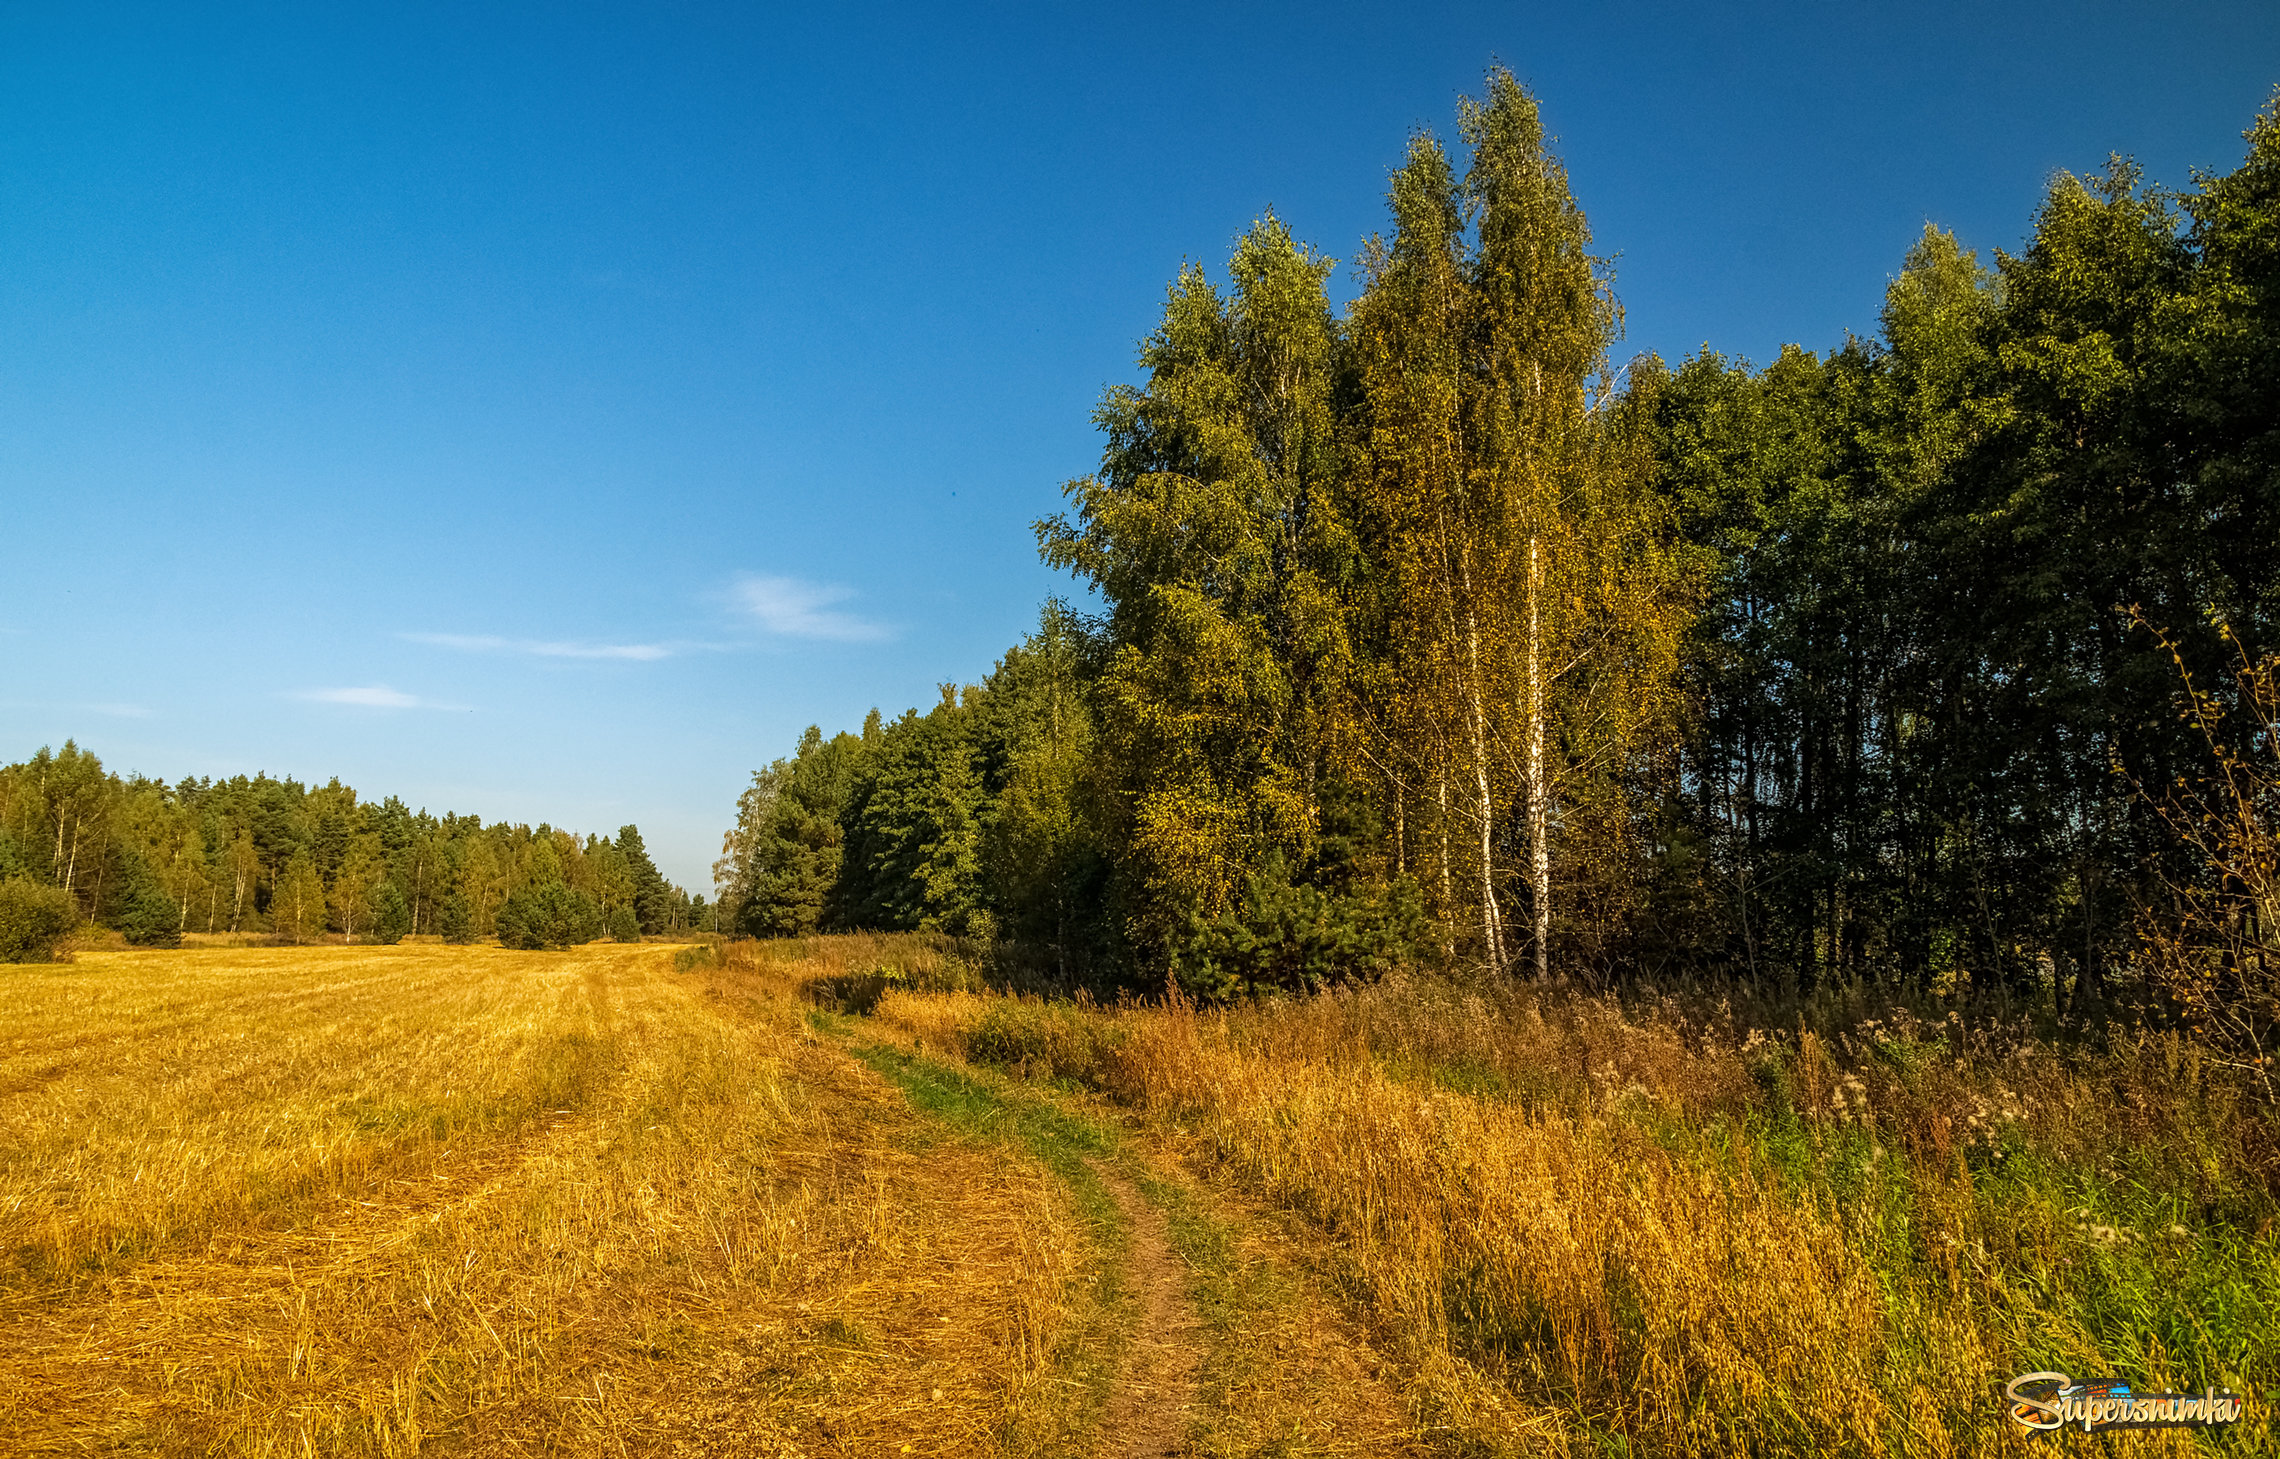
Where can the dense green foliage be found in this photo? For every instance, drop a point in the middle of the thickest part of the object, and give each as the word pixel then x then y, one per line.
pixel 391 916
pixel 154 861
pixel 1934 735
pixel 1425 633
pixel 34 920
pixel 455 921
pixel 549 914
pixel 967 819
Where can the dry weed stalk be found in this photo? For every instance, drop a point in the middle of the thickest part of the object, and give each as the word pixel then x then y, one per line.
pixel 2216 944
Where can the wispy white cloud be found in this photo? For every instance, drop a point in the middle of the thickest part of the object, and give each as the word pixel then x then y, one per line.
pixel 114 710
pixel 792 608
pixel 371 696
pixel 545 649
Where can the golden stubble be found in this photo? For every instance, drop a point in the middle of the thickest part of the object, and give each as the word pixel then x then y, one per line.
pixel 430 1199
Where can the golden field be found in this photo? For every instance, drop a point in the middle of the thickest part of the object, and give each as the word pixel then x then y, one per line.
pixel 435 1200
pixel 777 1200
pixel 430 1199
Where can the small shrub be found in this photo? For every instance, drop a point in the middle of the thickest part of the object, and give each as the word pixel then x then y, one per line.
pixel 860 992
pixel 455 920
pixel 145 915
pixel 1294 938
pixel 857 993
pixel 391 918
pixel 2213 932
pixel 623 926
pixel 549 916
pixel 1044 1040
pixel 689 959
pixel 1769 1069
pixel 34 920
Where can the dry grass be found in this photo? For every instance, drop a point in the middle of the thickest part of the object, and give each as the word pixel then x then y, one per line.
pixel 445 1200
pixel 428 1199
pixel 1585 1225
pixel 1580 1267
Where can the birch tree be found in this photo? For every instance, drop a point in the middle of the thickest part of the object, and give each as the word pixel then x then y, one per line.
pixel 1408 355
pixel 1528 610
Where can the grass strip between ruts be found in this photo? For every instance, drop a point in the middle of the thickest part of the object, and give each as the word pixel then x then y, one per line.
pixel 1252 1309
pixel 1103 1307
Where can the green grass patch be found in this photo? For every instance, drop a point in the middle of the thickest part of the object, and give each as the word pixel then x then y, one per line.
pixel 689 959
pixel 1064 1142
pixel 2100 1271
pixel 1222 1285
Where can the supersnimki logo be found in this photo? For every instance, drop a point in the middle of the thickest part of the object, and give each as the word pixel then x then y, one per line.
pixel 2043 1402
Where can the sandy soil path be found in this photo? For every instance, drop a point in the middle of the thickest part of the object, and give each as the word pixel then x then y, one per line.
pixel 1155 1393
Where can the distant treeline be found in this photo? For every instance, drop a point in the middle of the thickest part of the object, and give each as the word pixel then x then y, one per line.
pixel 262 855
pixel 1428 635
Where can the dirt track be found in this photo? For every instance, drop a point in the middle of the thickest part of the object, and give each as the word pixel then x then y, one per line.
pixel 1155 1391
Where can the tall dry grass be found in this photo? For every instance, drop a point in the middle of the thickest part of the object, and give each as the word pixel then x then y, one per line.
pixel 443 1200
pixel 1656 1230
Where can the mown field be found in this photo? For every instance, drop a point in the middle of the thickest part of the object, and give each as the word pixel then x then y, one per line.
pixel 460 1200
pixel 783 1200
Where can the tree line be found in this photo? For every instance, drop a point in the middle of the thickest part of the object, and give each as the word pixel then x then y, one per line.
pixel 263 855
pixel 1427 632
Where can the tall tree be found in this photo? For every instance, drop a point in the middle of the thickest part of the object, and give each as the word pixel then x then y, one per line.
pixel 484 881
pixel 244 867
pixel 1540 327
pixel 363 868
pixel 1213 533
pixel 913 829
pixel 1529 607
pixel 1042 857
pixel 298 904
pixel 652 894
pixel 1409 357
pixel 780 863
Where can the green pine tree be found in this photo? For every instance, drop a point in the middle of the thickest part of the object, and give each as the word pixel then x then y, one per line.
pixel 652 894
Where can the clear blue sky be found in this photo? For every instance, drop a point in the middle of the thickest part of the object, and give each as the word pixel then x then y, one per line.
pixel 546 413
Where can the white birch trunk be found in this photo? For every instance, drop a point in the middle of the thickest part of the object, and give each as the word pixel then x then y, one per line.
pixel 1491 925
pixel 1448 888
pixel 1539 792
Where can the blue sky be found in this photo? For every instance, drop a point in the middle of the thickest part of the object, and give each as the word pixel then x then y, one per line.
pixel 547 412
